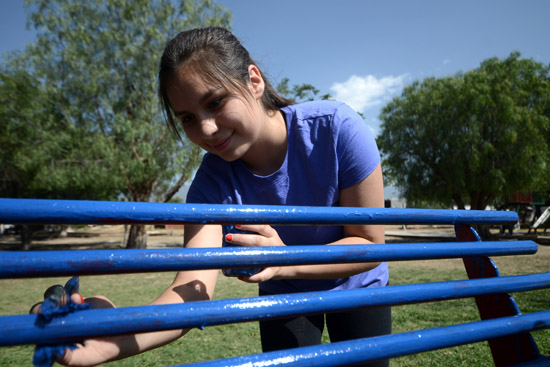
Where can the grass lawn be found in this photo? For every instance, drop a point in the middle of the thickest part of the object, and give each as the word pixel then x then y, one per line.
pixel 240 339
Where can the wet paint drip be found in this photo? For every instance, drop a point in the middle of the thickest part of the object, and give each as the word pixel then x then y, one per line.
pixel 237 271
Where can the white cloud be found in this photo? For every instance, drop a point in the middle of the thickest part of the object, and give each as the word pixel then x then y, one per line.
pixel 446 61
pixel 365 92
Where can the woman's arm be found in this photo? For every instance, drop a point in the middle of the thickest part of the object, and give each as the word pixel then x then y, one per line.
pixel 367 193
pixel 188 286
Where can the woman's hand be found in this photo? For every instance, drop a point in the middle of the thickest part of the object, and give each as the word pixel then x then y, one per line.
pixel 266 236
pixel 92 351
pixel 368 193
pixel 96 351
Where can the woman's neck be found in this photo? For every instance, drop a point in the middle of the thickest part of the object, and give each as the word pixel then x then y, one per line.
pixel 269 152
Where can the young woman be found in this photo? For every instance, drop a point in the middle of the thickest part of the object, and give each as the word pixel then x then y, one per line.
pixel 261 149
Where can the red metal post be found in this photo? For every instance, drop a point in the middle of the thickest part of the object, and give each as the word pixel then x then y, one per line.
pixel 508 350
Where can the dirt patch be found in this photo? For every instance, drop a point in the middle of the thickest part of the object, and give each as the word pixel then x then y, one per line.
pixel 95 237
pixel 114 237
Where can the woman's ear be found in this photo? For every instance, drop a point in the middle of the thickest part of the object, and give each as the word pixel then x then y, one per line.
pixel 256 82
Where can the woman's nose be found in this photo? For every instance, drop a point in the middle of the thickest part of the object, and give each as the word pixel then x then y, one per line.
pixel 208 126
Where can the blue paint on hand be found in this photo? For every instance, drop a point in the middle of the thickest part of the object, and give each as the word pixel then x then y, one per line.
pixel 45 355
pixel 236 271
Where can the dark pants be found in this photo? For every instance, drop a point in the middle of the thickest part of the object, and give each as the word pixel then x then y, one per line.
pixel 304 331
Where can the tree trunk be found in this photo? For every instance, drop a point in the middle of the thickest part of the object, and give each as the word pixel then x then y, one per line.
pixel 25 235
pixel 174 189
pixel 484 232
pixel 137 237
pixel 458 201
pixel 478 201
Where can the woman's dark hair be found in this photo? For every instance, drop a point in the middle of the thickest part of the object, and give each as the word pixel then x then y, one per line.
pixel 218 56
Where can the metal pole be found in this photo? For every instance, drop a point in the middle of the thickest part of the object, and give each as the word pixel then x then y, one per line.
pixel 395 345
pixel 107 212
pixel 25 264
pixel 31 329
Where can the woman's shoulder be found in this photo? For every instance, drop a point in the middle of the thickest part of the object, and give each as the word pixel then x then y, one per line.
pixel 315 109
pixel 214 164
pixel 210 180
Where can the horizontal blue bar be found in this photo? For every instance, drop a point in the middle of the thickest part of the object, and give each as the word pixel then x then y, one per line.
pixel 25 264
pixel 395 345
pixel 27 329
pixel 107 212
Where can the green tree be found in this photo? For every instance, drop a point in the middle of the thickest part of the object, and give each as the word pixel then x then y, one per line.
pixel 103 57
pixel 299 92
pixel 470 138
pixel 42 156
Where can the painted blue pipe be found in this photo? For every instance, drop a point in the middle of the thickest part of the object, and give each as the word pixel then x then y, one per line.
pixel 395 345
pixel 26 264
pixel 106 212
pixel 28 329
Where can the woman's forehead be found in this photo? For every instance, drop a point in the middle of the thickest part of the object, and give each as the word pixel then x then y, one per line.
pixel 192 83
pixel 198 73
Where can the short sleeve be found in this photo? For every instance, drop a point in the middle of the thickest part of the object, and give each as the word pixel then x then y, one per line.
pixel 356 147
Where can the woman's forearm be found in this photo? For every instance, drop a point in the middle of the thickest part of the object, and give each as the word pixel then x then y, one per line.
pixel 187 287
pixel 328 271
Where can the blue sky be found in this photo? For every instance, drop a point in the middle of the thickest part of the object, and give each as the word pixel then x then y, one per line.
pixel 361 51
pixel 364 52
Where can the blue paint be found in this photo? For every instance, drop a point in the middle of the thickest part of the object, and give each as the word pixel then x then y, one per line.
pixel 107 212
pixel 235 272
pixel 395 345
pixel 45 355
pixel 22 329
pixel 21 264
pixel 490 288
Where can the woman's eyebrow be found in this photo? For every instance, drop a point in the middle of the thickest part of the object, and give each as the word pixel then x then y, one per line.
pixel 205 97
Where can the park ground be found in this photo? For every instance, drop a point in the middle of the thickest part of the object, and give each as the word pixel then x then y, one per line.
pixel 113 237
pixel 241 339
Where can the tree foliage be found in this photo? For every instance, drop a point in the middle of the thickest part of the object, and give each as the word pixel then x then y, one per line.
pixel 299 92
pixel 42 156
pixel 100 59
pixel 471 138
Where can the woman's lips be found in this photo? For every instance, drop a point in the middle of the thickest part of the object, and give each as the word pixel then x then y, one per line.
pixel 220 146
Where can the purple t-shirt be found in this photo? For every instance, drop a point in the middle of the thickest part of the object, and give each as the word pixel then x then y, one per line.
pixel 329 149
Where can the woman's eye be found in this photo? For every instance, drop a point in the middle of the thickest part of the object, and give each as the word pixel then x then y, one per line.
pixel 215 102
pixel 186 119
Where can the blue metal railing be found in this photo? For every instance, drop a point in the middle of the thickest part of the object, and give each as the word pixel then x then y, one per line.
pixel 23 264
pixel 24 329
pixel 107 212
pixel 395 345
pixel 503 326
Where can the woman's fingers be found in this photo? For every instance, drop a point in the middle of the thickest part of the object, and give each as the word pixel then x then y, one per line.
pixel 59 297
pixel 261 229
pixel 77 298
pixel 263 276
pixel 246 239
pixel 266 236
pixel 56 294
pixel 36 308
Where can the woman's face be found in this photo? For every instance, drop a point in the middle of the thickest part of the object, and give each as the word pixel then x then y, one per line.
pixel 219 121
